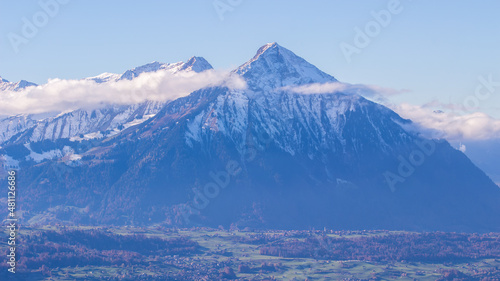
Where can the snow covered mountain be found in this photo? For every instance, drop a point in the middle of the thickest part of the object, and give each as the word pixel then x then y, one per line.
pixel 196 64
pixel 264 156
pixel 5 85
pixel 13 125
pixel 105 77
pixel 300 123
pixel 93 123
pixel 281 67
pixel 80 124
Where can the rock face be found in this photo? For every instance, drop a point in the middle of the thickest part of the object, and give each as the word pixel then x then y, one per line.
pixel 264 156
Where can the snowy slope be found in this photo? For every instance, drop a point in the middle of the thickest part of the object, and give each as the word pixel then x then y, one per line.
pixel 13 125
pixel 295 122
pixel 281 68
pixel 83 122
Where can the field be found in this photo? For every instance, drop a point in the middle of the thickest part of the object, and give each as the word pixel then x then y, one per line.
pixel 129 253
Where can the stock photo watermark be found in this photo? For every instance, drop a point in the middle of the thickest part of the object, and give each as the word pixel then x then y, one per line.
pixel 222 7
pixel 220 180
pixel 11 220
pixel 407 165
pixel 31 26
pixel 483 91
pixel 363 36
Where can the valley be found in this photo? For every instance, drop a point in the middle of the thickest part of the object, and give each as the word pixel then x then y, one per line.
pixel 156 253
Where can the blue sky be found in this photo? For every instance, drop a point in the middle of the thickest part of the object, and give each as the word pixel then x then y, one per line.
pixel 435 49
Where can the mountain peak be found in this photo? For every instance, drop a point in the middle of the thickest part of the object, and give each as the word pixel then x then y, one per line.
pixel 104 77
pixel 14 86
pixel 134 72
pixel 266 47
pixel 196 64
pixel 23 84
pixel 274 66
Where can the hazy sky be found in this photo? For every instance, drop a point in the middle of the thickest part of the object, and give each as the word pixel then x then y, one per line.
pixel 434 49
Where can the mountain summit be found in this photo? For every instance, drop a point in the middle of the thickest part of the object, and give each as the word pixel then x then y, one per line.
pixel 196 64
pixel 275 66
pixel 5 85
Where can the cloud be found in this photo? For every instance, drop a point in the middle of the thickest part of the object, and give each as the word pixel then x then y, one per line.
pixel 368 91
pixel 65 95
pixel 447 124
pixel 462 148
pixel 450 125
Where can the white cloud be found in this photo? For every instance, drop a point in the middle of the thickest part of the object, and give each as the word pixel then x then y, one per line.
pixel 64 95
pixel 368 91
pixel 450 125
pixel 462 148
pixel 446 124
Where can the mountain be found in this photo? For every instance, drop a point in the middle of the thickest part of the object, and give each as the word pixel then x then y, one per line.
pixel 264 157
pixel 12 125
pixel 105 77
pixel 281 68
pixel 5 85
pixel 196 64
pixel 101 122
pixel 78 124
pixel 485 154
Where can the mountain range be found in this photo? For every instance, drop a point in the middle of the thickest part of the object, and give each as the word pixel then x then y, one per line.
pixel 97 122
pixel 264 156
pixel 5 85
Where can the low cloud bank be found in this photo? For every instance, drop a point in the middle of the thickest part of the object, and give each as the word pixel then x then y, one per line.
pixel 65 95
pixel 370 91
pixel 448 124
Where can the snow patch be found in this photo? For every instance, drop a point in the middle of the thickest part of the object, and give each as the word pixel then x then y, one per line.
pixel 8 162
